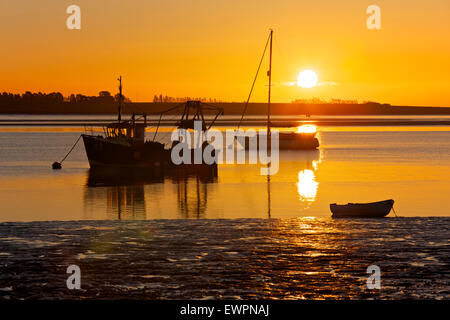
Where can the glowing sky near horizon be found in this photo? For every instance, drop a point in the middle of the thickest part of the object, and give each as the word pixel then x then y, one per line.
pixel 211 48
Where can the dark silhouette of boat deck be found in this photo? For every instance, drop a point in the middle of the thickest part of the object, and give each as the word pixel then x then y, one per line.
pixel 123 143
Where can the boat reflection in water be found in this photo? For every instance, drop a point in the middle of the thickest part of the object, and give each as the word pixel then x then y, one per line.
pixel 239 191
pixel 192 195
pixel 123 192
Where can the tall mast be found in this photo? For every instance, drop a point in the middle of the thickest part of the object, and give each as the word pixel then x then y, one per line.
pixel 120 99
pixel 269 73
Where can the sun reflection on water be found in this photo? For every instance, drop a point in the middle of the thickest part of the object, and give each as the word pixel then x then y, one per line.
pixel 307 185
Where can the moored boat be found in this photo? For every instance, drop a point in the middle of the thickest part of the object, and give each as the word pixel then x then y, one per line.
pixel 362 210
pixel 300 140
pixel 123 144
pixel 286 141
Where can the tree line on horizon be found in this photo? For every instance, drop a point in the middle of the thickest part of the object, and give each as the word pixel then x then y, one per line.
pixel 30 98
pixel 105 97
pixel 335 101
pixel 165 99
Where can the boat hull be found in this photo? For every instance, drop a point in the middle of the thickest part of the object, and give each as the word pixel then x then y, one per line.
pixel 296 141
pixel 104 153
pixel 286 141
pixel 362 210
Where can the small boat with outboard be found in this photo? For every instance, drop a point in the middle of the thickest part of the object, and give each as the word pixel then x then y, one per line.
pixel 362 210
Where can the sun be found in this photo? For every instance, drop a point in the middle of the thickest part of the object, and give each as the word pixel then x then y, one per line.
pixel 307 79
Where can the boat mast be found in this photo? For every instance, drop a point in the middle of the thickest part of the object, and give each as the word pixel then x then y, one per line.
pixel 269 73
pixel 120 99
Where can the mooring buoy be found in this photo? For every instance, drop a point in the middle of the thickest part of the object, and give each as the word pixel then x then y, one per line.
pixel 56 165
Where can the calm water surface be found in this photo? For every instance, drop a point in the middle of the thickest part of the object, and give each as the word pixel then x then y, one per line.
pixel 237 235
pixel 409 165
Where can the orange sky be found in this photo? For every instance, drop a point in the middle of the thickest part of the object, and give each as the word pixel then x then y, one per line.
pixel 211 48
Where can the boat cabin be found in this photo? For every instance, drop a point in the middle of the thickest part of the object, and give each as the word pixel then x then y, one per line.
pixel 128 129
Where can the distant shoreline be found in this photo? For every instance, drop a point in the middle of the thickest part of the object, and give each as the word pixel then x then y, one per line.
pixel 227 122
pixel 232 108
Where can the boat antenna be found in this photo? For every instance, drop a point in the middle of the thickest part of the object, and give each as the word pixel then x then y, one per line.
pixel 119 118
pixel 269 73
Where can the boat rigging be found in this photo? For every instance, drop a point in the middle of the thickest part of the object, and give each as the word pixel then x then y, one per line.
pixel 287 140
pixel 123 143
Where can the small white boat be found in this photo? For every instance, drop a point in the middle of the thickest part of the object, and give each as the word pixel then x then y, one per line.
pixel 362 210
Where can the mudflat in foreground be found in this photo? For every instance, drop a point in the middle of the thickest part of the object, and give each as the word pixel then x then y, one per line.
pixel 304 258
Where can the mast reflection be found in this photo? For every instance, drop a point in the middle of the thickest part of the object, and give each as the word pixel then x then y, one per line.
pixel 192 195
